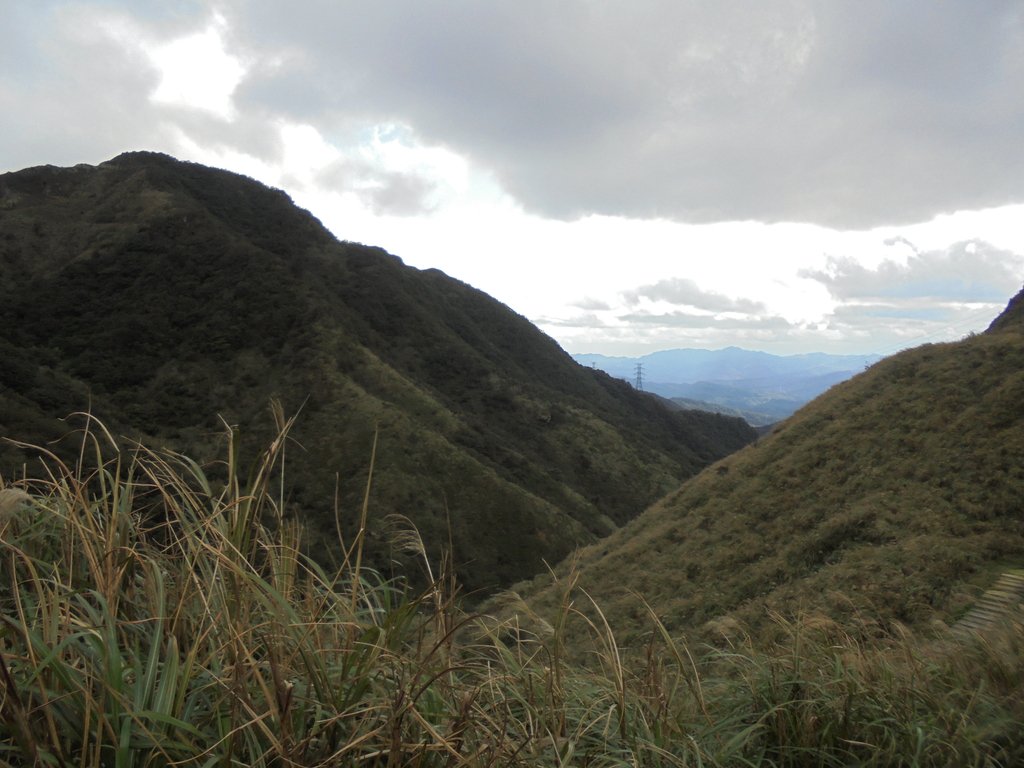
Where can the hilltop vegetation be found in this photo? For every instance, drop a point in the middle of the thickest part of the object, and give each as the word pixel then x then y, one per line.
pixel 890 500
pixel 169 298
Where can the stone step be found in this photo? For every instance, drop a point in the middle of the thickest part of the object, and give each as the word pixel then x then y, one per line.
pixel 1008 588
pixel 999 605
pixel 1004 601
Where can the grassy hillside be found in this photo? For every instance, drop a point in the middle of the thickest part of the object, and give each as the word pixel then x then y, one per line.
pixel 892 499
pixel 170 298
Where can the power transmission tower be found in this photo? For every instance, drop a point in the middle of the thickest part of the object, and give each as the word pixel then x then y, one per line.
pixel 640 377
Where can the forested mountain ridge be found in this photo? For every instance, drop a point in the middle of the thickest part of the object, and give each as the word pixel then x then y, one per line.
pixel 167 296
pixel 894 497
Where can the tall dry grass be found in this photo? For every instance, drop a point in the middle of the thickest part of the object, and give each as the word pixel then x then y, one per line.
pixel 157 613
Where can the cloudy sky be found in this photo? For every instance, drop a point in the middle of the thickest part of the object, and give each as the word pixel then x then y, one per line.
pixel 785 175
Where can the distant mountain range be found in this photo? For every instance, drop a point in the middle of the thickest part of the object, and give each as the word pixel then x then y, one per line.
pixel 892 499
pixel 761 387
pixel 171 299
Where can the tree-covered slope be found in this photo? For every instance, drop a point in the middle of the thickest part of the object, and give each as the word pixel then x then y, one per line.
pixel 168 297
pixel 893 497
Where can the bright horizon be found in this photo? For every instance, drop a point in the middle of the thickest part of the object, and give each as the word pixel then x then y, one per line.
pixel 785 177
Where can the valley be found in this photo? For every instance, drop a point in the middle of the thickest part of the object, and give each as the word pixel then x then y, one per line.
pixel 271 498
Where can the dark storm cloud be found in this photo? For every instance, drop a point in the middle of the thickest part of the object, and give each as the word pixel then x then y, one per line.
pixel 965 272
pixel 681 291
pixel 845 114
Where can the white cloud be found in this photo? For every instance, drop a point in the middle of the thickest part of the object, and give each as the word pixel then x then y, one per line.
pixel 683 291
pixel 197 72
pixel 970 272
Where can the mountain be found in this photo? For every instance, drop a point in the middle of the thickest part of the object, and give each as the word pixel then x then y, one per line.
pixel 894 497
pixel 1012 318
pixel 170 299
pixel 766 387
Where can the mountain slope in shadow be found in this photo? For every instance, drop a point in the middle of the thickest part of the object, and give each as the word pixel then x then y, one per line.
pixel 170 299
